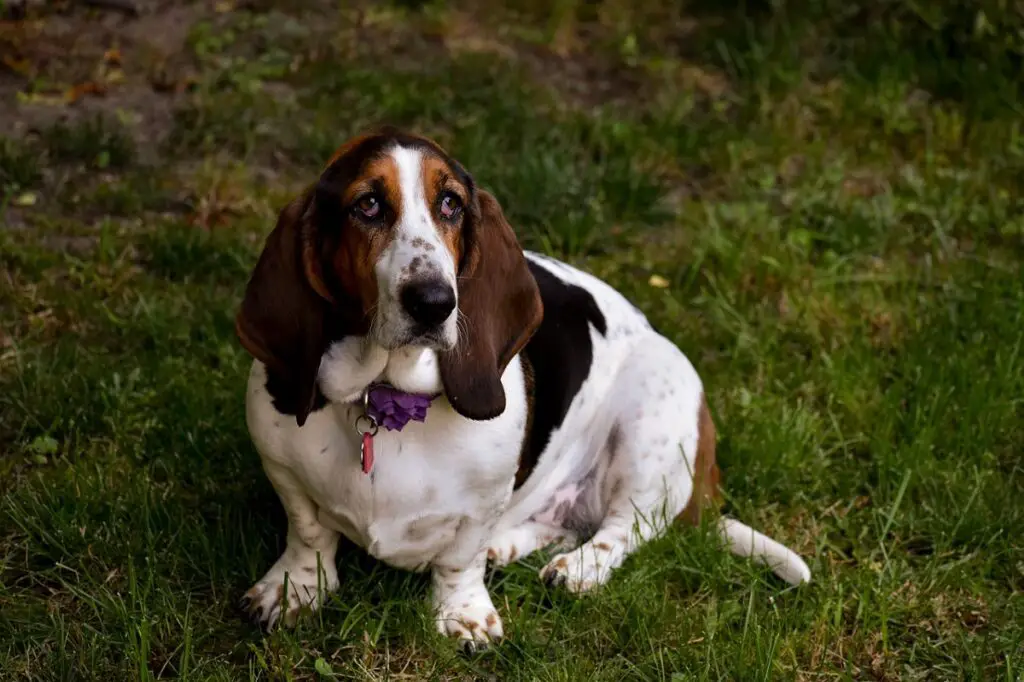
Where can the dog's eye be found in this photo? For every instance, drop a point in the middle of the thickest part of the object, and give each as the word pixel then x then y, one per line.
pixel 368 206
pixel 450 206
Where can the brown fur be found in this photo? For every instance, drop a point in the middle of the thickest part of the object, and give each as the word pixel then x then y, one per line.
pixel 282 318
pixel 359 249
pixel 315 280
pixel 347 148
pixel 501 306
pixel 437 178
pixel 705 474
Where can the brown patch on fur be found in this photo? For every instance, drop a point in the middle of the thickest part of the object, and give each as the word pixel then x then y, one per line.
pixel 314 281
pixel 358 249
pixel 603 546
pixel 282 319
pixel 380 172
pixel 347 148
pixel 705 474
pixel 437 178
pixel 501 305
pixel 491 620
pixel 561 565
pixel 527 459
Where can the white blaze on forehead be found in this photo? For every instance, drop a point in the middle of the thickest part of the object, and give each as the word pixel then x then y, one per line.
pixel 416 234
pixel 410 184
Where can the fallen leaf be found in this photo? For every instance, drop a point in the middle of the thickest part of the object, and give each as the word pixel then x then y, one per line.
pixel 112 56
pixel 18 65
pixel 223 7
pixel 658 282
pixel 26 199
pixel 79 91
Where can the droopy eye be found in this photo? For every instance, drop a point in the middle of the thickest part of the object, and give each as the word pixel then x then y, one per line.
pixel 368 206
pixel 450 206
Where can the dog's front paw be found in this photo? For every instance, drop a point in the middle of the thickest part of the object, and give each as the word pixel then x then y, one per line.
pixel 285 590
pixel 475 623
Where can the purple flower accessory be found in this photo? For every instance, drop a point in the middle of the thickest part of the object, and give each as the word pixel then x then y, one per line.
pixel 393 409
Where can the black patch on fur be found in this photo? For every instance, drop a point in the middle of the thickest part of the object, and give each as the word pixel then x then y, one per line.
pixel 284 399
pixel 561 354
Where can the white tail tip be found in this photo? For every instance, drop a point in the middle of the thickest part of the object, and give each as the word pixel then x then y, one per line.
pixel 745 541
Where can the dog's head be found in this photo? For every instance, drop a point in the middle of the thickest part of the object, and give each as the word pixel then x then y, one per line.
pixel 394 242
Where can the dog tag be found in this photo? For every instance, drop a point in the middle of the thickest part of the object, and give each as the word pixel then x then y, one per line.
pixel 366 453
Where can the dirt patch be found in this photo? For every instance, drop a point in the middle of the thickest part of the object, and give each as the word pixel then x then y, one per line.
pixel 578 77
pixel 67 62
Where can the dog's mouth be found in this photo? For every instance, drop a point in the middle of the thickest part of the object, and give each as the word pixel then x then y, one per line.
pixel 433 338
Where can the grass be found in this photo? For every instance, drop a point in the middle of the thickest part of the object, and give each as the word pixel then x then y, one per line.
pixel 832 206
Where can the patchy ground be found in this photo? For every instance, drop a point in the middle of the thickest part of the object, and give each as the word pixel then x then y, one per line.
pixel 822 208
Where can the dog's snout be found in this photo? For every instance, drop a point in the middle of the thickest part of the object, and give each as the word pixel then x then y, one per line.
pixel 428 302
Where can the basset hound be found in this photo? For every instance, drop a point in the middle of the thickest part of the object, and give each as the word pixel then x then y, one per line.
pixel 444 399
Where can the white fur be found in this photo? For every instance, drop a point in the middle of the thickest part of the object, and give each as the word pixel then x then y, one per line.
pixel 416 237
pixel 440 496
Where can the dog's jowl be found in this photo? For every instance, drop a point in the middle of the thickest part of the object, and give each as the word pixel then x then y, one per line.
pixel 444 399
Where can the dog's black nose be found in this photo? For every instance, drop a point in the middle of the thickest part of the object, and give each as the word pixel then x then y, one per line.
pixel 428 302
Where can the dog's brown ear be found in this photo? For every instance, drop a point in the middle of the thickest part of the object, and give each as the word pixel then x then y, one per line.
pixel 282 319
pixel 499 307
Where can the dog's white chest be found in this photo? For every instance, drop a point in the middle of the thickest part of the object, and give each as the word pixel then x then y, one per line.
pixel 432 483
pixel 436 489
pixel 409 509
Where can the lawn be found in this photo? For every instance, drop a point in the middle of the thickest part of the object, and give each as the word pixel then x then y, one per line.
pixel 819 202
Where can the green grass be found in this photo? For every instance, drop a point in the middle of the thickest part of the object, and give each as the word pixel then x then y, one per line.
pixel 834 203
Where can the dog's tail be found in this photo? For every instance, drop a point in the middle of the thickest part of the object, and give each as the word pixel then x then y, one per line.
pixel 745 541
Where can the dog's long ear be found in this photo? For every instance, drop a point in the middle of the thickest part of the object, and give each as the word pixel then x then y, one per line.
pixel 500 309
pixel 283 317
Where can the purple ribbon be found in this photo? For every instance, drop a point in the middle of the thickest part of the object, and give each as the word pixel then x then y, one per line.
pixel 393 409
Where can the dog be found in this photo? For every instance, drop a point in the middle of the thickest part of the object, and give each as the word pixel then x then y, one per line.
pixel 445 399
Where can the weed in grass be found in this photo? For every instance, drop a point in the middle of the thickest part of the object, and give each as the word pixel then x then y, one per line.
pixel 95 141
pixel 19 166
